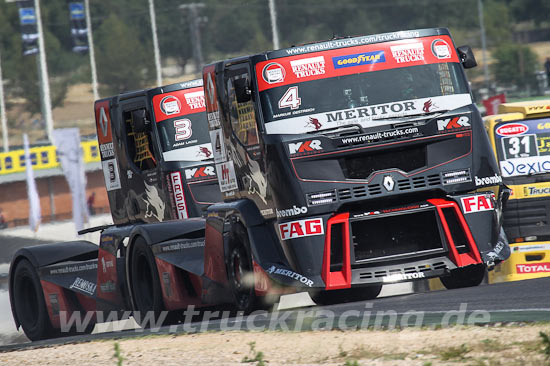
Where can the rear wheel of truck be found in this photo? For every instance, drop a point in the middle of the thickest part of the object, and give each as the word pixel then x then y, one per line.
pixel 240 271
pixel 144 281
pixel 469 276
pixel 30 307
pixel 346 295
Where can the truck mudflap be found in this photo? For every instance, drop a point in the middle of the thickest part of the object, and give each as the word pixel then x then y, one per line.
pixel 47 254
pixel 44 255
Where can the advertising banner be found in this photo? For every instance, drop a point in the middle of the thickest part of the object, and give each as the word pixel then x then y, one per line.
pixel 29 32
pixel 67 142
pixel 79 30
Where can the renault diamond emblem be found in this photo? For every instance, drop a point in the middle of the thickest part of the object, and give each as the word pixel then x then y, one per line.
pixel 388 183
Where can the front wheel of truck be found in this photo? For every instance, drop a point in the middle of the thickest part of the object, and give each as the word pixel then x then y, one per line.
pixel 469 276
pixel 240 271
pixel 144 280
pixel 345 295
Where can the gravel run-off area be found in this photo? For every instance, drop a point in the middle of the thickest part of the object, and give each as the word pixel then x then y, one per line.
pixel 518 344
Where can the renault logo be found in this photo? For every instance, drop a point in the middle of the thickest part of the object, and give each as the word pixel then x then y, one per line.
pixel 388 183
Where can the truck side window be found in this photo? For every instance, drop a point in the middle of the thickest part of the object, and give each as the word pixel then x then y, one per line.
pixel 139 139
pixel 242 115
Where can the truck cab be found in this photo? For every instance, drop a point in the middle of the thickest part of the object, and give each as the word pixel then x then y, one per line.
pixel 520 136
pixel 364 159
pixel 152 143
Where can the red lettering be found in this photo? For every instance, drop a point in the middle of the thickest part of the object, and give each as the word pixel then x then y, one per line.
pixel 296 229
pixel 200 172
pixel 453 124
pixel 313 227
pixel 482 203
pixel 305 147
pixel 468 202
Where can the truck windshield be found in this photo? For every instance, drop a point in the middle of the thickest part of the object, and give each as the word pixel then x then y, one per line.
pixel 182 126
pixel 364 85
pixel 523 147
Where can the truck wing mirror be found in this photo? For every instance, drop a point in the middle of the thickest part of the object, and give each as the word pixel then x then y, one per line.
pixel 140 121
pixel 242 90
pixel 467 57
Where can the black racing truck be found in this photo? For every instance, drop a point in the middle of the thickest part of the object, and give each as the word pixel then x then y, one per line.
pixel 158 165
pixel 343 165
pixel 348 164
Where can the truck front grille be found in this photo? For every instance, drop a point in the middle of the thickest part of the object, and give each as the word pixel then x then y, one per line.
pixel 369 190
pixel 361 166
pixel 396 235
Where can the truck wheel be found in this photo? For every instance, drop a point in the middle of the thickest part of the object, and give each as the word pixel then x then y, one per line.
pixel 346 295
pixel 469 276
pixel 241 272
pixel 146 290
pixel 30 307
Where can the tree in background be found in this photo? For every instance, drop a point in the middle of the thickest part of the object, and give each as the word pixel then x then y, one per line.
pixel 124 62
pixel 515 65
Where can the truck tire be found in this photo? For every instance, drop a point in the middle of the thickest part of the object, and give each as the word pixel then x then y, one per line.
pixel 30 307
pixel 469 276
pixel 353 294
pixel 145 283
pixel 240 271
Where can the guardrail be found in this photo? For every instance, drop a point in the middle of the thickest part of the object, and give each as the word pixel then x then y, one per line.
pixel 43 157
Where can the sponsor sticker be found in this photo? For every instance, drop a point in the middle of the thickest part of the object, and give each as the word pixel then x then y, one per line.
pixel 294 211
pixel 103 122
pixel 525 166
pixel 307 67
pixel 314 123
pixel 477 203
pixel 366 116
pixel 453 124
pixel 536 191
pixel 195 100
pixel 226 176
pixel 106 264
pixel 107 150
pixel 108 286
pixel 179 196
pixel 199 173
pixel 441 49
pixel 382 136
pixel 403 277
pixel 304 147
pixel 266 212
pixel 111 174
pixel 84 286
pixel 273 73
pixel 365 58
pixel 301 228
pixel 170 105
pixel 218 145
pixel 512 129
pixel 531 248
pixel 409 52
pixel 533 268
pixel 288 273
pixel 485 181
pixel 181 245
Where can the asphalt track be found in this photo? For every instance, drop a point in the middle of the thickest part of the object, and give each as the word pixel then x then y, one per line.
pixel 522 301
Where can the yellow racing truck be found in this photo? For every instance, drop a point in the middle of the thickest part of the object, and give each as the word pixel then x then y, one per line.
pixel 520 135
